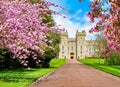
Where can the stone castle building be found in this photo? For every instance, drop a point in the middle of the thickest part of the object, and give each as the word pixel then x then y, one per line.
pixel 77 47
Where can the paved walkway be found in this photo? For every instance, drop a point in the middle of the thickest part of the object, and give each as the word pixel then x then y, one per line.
pixel 75 74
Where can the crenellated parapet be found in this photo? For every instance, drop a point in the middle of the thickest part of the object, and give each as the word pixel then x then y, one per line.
pixel 83 33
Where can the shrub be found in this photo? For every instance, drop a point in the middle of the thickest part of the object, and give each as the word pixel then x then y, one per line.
pixel 7 61
pixel 113 59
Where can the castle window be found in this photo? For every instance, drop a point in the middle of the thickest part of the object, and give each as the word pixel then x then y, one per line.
pixel 62 47
pixel 71 48
pixel 81 48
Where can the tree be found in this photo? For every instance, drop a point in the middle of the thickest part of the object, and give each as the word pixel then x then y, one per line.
pixel 101 43
pixel 113 58
pixel 22 28
pixel 109 22
pixel 50 53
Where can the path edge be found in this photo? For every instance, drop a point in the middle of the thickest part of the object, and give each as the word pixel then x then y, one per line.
pixel 41 78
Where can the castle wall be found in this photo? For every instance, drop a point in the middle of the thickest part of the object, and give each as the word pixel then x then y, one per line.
pixel 77 47
pixel 71 48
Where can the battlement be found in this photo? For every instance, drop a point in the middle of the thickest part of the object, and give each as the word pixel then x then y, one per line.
pixel 83 33
pixel 65 33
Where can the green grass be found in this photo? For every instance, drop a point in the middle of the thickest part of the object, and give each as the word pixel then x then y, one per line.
pixel 112 69
pixel 24 77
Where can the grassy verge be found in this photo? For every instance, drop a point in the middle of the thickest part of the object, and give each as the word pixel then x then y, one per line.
pixel 24 77
pixel 99 64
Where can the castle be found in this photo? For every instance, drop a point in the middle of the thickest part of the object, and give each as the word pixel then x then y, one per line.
pixel 77 47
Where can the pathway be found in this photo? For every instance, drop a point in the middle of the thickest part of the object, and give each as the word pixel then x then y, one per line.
pixel 75 74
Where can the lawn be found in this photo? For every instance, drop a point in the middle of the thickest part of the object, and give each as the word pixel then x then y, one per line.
pixel 112 69
pixel 24 77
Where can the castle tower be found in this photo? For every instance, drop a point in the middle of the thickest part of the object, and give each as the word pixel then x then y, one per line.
pixel 63 46
pixel 80 44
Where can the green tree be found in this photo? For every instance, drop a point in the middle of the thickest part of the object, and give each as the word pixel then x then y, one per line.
pixel 101 43
pixel 50 53
pixel 113 58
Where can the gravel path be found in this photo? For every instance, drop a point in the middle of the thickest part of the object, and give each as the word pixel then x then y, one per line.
pixel 75 74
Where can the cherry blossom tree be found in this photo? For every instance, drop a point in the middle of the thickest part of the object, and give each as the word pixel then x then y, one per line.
pixel 109 22
pixel 22 29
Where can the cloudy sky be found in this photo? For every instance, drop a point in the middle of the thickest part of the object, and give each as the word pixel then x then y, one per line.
pixel 76 18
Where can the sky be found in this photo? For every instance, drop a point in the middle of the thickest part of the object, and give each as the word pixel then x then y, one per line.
pixel 76 18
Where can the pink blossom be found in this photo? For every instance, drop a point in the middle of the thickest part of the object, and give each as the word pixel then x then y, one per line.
pixel 109 21
pixel 22 27
pixel 96 30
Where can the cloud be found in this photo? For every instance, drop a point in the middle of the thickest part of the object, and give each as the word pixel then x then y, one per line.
pixel 91 0
pixel 72 26
pixel 79 11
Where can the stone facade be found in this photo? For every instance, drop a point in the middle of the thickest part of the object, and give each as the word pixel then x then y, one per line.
pixel 77 47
